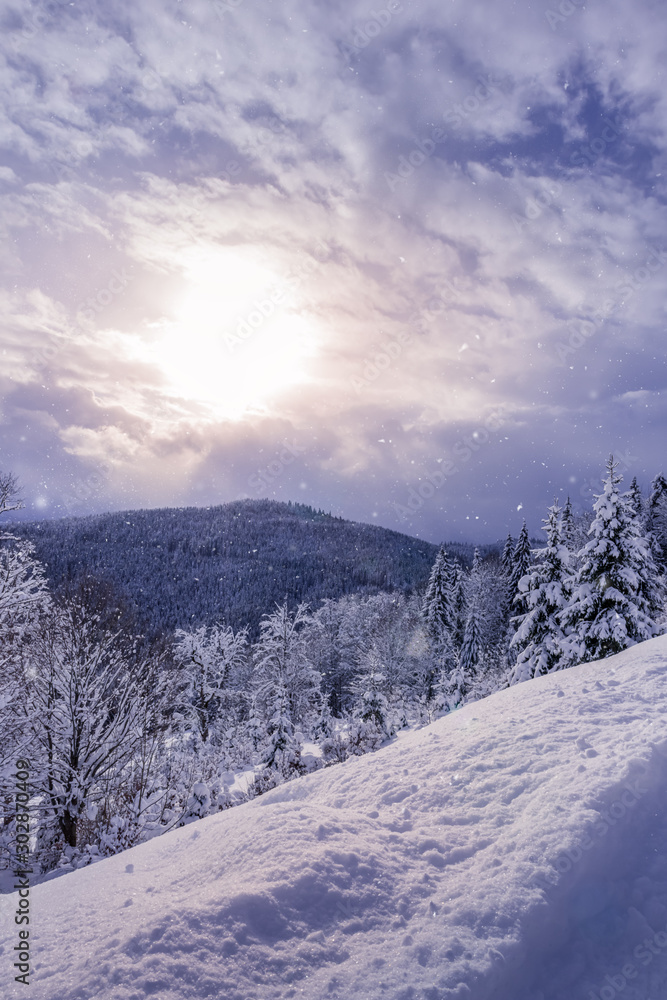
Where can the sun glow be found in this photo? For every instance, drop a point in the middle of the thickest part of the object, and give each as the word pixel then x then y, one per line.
pixel 236 339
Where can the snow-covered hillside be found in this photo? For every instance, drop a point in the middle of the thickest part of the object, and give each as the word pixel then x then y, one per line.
pixel 514 850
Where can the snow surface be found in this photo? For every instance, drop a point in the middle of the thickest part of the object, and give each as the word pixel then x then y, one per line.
pixel 470 859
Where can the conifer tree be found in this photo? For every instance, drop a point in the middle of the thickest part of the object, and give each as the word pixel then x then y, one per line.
pixel 617 593
pixel 520 566
pixel 471 650
pixel 373 706
pixel 371 726
pixel 506 564
pixel 439 608
pixel 635 498
pixel 506 561
pixel 284 751
pixel 460 605
pixel 567 528
pixel 473 638
pixel 324 727
pixel 656 518
pixel 539 637
pixel 656 501
pixel 440 614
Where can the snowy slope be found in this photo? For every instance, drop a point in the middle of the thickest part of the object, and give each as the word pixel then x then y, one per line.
pixel 514 850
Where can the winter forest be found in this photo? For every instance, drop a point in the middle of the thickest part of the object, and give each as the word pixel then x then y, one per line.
pixel 128 739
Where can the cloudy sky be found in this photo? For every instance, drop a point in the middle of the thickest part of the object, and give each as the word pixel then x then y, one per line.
pixel 406 263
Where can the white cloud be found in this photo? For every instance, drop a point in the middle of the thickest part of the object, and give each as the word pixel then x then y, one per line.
pixel 144 139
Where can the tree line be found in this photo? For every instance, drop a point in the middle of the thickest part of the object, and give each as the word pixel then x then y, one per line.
pixel 128 738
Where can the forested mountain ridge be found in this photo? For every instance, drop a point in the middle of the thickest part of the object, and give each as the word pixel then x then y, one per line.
pixel 183 566
pixel 175 722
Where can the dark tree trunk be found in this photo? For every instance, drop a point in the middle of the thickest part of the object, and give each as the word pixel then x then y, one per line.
pixel 68 825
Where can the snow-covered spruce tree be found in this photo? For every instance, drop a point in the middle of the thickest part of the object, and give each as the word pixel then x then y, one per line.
pixel 567 526
pixel 495 640
pixel 371 725
pixel 636 499
pixel 493 591
pixel 538 639
pixel 460 604
pixel 617 593
pixel 282 760
pixel 439 605
pixel 439 612
pixel 325 726
pixel 506 561
pixel 329 737
pixel 505 576
pixel 210 657
pixel 284 754
pixel 455 686
pixel 473 638
pixel 520 566
pixel 656 501
pixel 656 518
pixel 281 663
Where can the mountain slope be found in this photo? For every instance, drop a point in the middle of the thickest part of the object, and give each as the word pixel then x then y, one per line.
pixel 179 567
pixel 513 850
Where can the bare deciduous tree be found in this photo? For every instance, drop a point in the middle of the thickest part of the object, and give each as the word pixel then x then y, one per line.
pixel 10 493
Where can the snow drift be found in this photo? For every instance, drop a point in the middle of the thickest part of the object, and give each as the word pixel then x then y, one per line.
pixel 515 849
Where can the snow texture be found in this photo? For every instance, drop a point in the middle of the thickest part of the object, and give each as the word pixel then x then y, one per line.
pixel 516 849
